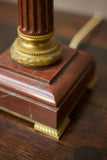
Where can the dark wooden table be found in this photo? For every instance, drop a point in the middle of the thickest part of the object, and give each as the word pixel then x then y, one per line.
pixel 85 137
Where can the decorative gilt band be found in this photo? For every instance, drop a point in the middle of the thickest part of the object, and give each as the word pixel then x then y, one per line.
pixel 55 133
pixel 35 38
pixel 36 53
pixel 36 50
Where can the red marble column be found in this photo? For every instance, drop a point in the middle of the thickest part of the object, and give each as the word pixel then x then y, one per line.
pixel 35 17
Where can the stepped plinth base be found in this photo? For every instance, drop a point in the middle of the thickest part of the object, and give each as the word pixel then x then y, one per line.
pixel 45 96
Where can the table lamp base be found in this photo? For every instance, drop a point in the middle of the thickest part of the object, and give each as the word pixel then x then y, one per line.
pixel 46 96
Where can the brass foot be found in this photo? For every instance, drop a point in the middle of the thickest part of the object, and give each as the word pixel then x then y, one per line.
pixel 92 82
pixel 55 133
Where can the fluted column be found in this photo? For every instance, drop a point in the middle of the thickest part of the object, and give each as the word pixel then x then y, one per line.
pixel 36 44
pixel 35 17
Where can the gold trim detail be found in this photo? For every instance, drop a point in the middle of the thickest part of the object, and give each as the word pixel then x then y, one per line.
pixel 55 133
pixel 16 114
pixel 92 82
pixel 36 50
pixel 35 38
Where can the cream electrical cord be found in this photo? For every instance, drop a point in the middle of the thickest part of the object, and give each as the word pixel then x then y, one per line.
pixel 85 30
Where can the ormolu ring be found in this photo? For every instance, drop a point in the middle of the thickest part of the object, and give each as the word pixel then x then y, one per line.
pixel 35 38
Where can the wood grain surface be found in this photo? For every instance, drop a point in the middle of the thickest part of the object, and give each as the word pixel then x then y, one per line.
pixel 35 17
pixel 85 137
